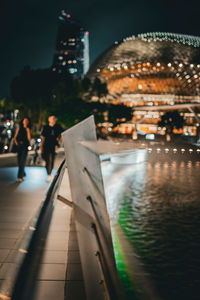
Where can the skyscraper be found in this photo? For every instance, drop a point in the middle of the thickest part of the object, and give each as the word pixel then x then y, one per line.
pixel 72 47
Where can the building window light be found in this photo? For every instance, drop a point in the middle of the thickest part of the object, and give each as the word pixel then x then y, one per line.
pixel 169 64
pixel 140 86
pixel 64 63
pixel 98 70
pixel 60 57
pixel 180 65
pixel 69 61
pixel 74 61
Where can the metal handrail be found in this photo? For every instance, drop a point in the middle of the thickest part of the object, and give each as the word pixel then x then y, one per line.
pixel 102 255
pixel 25 280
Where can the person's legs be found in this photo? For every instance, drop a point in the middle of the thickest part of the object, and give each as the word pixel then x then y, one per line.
pixel 48 159
pixel 21 162
pixel 51 161
pixel 19 157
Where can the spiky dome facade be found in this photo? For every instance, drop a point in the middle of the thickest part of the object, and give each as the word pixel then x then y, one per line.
pixel 151 63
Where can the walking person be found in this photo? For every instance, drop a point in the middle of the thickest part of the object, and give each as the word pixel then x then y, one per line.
pixel 51 135
pixel 22 138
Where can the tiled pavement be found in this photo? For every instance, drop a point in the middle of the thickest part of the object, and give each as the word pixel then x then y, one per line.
pixel 59 276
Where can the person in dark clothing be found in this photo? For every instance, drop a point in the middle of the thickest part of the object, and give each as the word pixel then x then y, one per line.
pixel 21 139
pixel 50 135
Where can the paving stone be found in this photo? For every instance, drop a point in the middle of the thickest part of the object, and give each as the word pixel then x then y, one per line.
pixel 57 227
pixel 74 271
pixel 54 257
pixel 11 217
pixel 58 234
pixel 7 269
pixel 49 290
pixel 4 254
pixel 14 256
pixel 74 257
pixel 10 234
pixel 75 290
pixel 7 243
pixel 11 225
pixel 52 272
pixel 56 244
pixel 73 245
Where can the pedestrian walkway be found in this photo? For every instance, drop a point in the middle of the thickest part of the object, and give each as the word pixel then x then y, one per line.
pixel 19 203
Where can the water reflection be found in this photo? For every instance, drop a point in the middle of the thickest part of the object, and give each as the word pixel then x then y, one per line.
pixel 159 213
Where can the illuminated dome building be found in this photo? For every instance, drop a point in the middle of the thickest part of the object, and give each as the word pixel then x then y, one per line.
pixel 153 72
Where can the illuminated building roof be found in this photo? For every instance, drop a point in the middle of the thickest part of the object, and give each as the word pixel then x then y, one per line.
pixel 151 63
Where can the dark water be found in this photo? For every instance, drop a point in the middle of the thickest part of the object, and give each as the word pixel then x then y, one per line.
pixel 159 212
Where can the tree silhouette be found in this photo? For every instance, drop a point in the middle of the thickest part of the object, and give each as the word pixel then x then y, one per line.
pixel 171 120
pixel 32 90
pixel 38 93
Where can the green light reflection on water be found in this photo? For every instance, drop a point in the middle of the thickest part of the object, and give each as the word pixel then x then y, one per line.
pixel 122 268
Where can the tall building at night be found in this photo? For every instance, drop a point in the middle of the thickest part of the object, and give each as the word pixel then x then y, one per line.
pixel 153 73
pixel 72 47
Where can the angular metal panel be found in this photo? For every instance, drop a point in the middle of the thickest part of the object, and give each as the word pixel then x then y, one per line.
pixel 90 212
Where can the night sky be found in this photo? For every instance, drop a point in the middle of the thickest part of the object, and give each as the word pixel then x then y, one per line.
pixel 28 27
